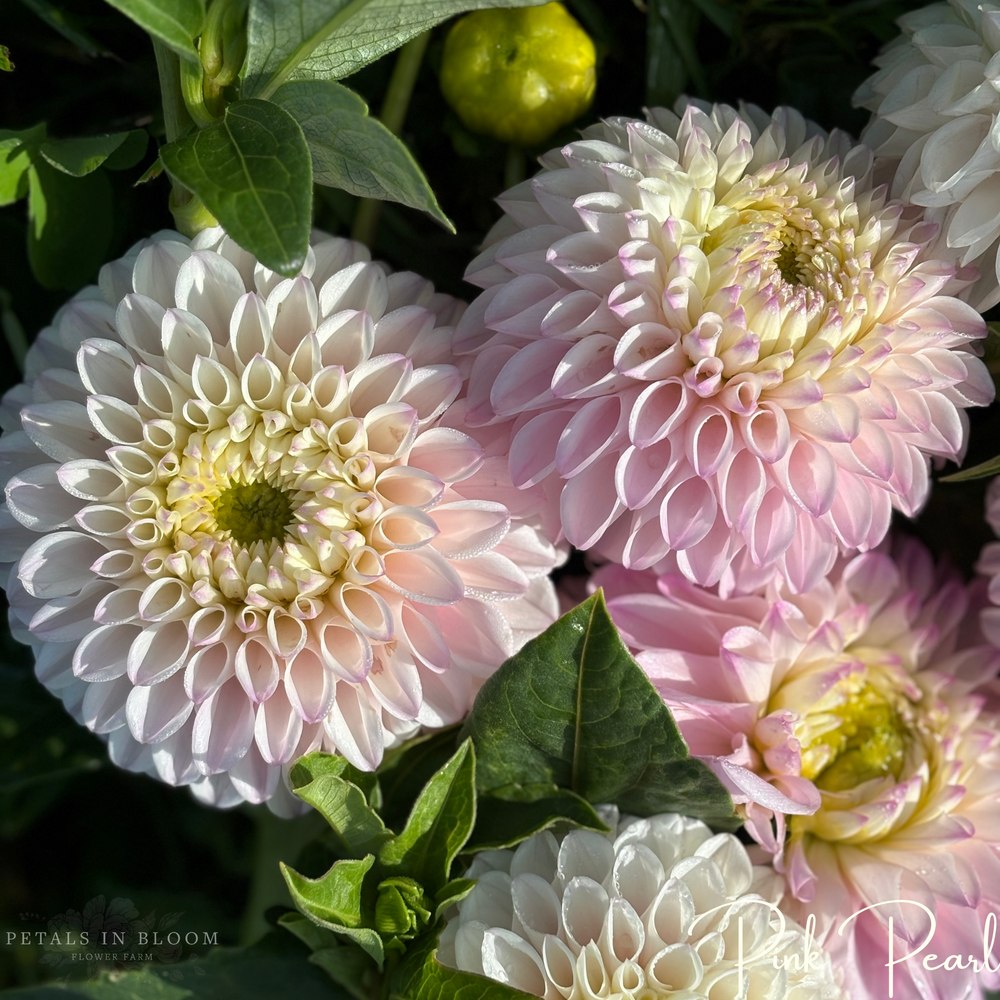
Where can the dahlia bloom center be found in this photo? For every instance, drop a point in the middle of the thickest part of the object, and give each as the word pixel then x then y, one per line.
pixel 862 738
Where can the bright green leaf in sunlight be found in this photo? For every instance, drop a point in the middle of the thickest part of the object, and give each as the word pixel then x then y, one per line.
pixel 330 39
pixel 439 825
pixel 574 709
pixel 253 172
pixel 83 155
pixel 176 23
pixel 354 152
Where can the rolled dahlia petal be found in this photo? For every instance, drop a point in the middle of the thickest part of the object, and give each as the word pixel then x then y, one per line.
pixel 237 525
pixel 711 337
pixel 659 908
pixel 856 727
pixel 934 104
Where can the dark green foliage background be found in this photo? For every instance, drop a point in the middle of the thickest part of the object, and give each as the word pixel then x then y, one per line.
pixel 72 826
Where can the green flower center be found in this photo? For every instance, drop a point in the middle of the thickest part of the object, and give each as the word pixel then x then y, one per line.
pixel 863 738
pixel 788 264
pixel 254 512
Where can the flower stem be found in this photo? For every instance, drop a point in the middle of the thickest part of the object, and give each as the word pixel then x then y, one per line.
pixel 514 167
pixel 393 114
pixel 175 114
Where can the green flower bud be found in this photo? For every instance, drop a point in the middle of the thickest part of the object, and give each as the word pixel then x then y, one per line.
pixel 519 75
pixel 402 909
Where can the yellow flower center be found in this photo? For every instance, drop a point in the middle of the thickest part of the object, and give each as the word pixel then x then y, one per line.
pixel 254 512
pixel 863 738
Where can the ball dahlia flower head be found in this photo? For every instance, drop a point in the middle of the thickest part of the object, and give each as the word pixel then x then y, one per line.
pixel 934 103
pixel 237 528
pixel 653 910
pixel 708 336
pixel 857 726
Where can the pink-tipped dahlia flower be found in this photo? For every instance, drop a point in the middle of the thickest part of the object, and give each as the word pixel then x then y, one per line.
pixel 857 726
pixel 238 529
pixel 709 334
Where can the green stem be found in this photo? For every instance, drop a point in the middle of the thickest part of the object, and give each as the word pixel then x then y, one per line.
pixel 175 114
pixel 393 114
pixel 514 169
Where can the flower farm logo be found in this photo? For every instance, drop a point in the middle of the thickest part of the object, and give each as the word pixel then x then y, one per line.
pixel 109 935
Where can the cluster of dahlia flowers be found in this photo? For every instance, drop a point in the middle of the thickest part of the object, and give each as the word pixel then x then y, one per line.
pixel 248 517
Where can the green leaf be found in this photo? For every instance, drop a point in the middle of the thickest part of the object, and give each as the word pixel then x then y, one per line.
pixel 506 816
pixel 253 172
pixel 671 54
pixel 55 17
pixel 70 227
pixel 5 64
pixel 318 764
pixel 176 23
pixel 421 977
pixel 574 709
pixel 263 972
pixel 988 468
pixel 349 967
pixel 345 964
pixel 15 158
pixel 334 901
pixel 354 152
pixel 330 39
pixel 81 156
pixel 454 892
pixel 439 825
pixel 316 780
pixel 407 768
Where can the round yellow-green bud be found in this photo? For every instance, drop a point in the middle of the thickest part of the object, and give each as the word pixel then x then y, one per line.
pixel 519 75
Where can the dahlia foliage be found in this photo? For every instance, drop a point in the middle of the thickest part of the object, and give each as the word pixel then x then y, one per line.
pixel 857 726
pixel 238 531
pixel 658 908
pixel 712 334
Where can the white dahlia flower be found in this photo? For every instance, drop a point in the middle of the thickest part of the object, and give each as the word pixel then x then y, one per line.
pixel 659 909
pixel 709 335
pixel 934 104
pixel 238 531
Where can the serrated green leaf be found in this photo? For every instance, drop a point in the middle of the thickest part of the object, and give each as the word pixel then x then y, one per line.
pixel 70 227
pixel 81 156
pixel 316 779
pixel 333 898
pixel 506 816
pixel 353 152
pixel 317 764
pixel 330 39
pixel 176 23
pixel 454 892
pixel 421 977
pixel 574 709
pixel 439 825
pixel 253 172
pixel 407 768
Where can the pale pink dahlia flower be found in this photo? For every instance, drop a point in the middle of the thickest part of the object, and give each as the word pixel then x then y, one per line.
pixel 856 725
pixel 238 531
pixel 710 334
